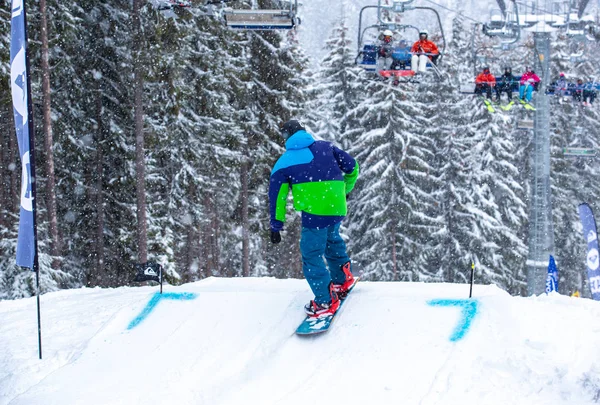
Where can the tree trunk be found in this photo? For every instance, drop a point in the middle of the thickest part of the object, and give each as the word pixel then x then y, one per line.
pixel 55 242
pixel 394 258
pixel 140 167
pixel 99 189
pixel 245 237
pixel 210 238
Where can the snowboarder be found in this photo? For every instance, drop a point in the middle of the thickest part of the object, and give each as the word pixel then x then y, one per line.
pixel 484 82
pixel 320 176
pixel 505 84
pixel 423 51
pixel 529 82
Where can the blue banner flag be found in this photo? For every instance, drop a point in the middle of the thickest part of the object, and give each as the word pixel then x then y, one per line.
pixel 591 237
pixel 552 279
pixel 19 88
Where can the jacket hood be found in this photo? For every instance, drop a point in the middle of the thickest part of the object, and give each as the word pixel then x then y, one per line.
pixel 299 140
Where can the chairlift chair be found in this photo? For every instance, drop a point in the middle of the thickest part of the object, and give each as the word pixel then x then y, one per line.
pixel 504 24
pixel 367 53
pixel 263 19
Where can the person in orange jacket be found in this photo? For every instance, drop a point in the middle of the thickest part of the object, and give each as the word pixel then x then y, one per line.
pixel 423 51
pixel 484 82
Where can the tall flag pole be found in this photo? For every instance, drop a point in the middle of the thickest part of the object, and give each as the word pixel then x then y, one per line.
pixel 27 252
pixel 591 237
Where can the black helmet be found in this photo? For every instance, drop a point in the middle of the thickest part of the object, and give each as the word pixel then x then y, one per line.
pixel 290 128
pixel 486 68
pixel 508 69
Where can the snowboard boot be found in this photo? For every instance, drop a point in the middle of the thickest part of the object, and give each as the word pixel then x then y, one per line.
pixel 342 289
pixel 314 310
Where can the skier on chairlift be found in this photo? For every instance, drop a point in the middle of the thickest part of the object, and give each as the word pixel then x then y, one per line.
pixel 589 93
pixel 578 91
pixel 529 82
pixel 401 56
pixel 505 84
pixel 385 48
pixel 560 85
pixel 423 51
pixel 485 82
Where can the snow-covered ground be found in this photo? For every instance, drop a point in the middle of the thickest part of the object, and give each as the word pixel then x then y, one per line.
pixel 232 341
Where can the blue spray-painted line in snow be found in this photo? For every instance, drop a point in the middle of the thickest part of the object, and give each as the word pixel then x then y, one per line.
pixel 156 298
pixel 468 312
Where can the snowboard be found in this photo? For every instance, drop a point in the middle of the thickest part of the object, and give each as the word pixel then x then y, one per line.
pixel 314 325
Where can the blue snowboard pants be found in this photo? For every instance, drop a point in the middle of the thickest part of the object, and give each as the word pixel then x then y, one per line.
pixel 526 91
pixel 315 243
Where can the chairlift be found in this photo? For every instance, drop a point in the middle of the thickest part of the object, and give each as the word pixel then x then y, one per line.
pixel 401 6
pixel 504 24
pixel 279 19
pixel 367 55
pixel 525 124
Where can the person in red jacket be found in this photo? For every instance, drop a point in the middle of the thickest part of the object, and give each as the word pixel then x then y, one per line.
pixel 485 82
pixel 529 82
pixel 423 51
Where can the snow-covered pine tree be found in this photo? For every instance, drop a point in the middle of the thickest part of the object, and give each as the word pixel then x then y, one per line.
pixel 336 87
pixel 92 150
pixel 484 201
pixel 448 252
pixel 390 202
pixel 276 94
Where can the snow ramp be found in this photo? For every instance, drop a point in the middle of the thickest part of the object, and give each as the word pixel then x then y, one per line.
pixel 232 341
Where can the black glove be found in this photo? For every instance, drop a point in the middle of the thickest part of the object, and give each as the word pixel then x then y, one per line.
pixel 275 237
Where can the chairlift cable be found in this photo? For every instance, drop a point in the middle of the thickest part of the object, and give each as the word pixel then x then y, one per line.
pixel 535 8
pixel 454 11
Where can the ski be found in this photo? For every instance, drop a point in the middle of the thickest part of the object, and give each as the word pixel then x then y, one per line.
pixel 526 105
pixel 314 325
pixel 508 106
pixel 488 105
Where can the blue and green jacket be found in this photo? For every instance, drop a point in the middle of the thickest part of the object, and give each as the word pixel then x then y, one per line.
pixel 319 174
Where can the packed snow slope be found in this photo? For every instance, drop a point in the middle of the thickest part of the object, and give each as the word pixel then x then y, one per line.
pixel 232 341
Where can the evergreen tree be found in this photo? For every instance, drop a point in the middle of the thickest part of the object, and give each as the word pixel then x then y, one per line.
pixel 336 87
pixel 391 197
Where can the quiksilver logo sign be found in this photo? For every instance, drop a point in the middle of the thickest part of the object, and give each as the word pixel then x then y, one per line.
pixel 592 259
pixel 149 271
